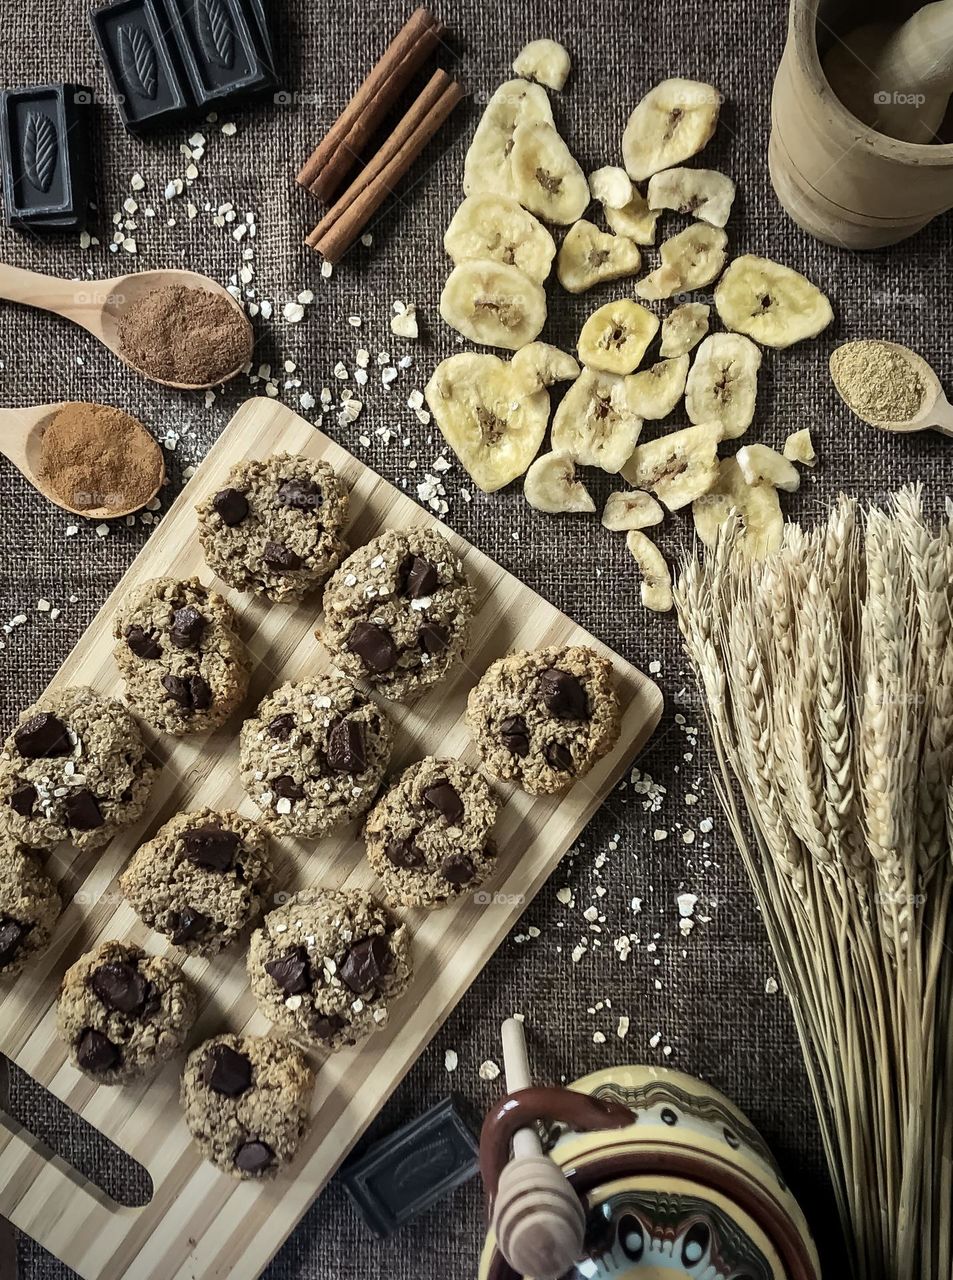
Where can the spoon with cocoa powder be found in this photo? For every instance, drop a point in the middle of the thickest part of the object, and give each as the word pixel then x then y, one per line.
pixel 90 459
pixel 178 328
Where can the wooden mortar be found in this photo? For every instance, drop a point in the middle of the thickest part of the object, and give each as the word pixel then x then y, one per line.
pixel 840 180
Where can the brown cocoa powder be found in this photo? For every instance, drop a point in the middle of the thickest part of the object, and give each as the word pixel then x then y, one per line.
pixel 96 458
pixel 190 336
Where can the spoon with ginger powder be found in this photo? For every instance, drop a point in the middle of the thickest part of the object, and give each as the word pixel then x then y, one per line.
pixel 930 407
pixel 102 306
pixel 24 441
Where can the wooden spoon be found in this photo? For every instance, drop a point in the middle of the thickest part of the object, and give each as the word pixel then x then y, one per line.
pixel 21 437
pixel 935 412
pixel 96 305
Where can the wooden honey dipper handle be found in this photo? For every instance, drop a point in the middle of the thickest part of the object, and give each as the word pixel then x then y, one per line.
pixel 537 1217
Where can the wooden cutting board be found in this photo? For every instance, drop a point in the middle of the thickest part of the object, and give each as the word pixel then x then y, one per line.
pixel 200 1223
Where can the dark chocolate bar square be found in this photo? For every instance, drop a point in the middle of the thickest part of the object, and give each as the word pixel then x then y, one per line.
pixel 45 151
pixel 221 46
pixel 138 52
pixel 414 1167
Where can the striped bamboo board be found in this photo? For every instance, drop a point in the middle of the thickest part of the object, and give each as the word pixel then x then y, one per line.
pixel 200 1223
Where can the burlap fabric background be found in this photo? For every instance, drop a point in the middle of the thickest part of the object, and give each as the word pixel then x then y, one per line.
pixel 704 996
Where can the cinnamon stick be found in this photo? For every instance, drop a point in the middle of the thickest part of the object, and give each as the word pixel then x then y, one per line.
pixel 348 217
pixel 350 134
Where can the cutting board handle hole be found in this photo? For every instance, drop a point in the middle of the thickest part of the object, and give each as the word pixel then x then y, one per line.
pixel 53 1130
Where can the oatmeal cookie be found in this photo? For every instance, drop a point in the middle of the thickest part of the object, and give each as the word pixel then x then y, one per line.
pixel 397 613
pixel 201 879
pixel 247 1103
pixel 428 837
pixel 327 964
pixel 75 768
pixel 184 666
pixel 30 905
pixel 122 1012
pixel 277 527
pixel 314 755
pixel 543 717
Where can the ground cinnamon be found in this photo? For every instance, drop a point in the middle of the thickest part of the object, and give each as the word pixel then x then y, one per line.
pixel 96 458
pixel 189 336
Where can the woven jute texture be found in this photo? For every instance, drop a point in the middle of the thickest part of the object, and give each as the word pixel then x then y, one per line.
pixel 698 1003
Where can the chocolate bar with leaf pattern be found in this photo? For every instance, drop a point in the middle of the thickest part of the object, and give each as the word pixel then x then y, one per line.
pixel 45 152
pixel 140 58
pixel 224 47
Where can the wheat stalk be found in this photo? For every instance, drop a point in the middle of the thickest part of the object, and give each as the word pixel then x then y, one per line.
pixel 828 676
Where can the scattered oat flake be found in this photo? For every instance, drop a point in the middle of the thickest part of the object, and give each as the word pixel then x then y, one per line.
pixel 450 1060
pixel 488 1070
pixel 622 1030
pixel 770 986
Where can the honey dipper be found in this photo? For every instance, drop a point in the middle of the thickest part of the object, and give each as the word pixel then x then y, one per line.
pixel 537 1217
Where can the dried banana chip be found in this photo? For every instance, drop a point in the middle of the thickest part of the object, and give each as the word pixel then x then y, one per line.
pixel 635 219
pixel 723 383
pixel 679 467
pixel 762 465
pixel 597 422
pixel 631 509
pixel 673 122
pixel 684 327
pixel 588 256
pixel 487 417
pixel 799 447
pixel 551 485
pixel 659 388
pixel 612 187
pixel 545 61
pixel 756 507
pixel 540 364
pixel 547 179
pixel 493 304
pixel 617 336
pixel 704 193
pixel 488 163
pixel 773 304
pixel 691 259
pixel 656 589
pixel 499 229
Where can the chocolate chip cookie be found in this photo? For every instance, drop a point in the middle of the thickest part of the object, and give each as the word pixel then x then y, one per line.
pixel 276 527
pixel 74 768
pixel 122 1012
pixel 428 837
pixel 397 613
pixel 201 879
pixel 247 1103
pixel 326 966
pixel 30 905
pixel 179 653
pixel 543 717
pixel 314 755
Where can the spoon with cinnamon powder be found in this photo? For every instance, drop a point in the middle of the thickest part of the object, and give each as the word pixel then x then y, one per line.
pixel 178 328
pixel 90 459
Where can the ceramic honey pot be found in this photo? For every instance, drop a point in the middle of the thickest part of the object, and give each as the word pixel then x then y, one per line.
pixel 839 177
pixel 673 1180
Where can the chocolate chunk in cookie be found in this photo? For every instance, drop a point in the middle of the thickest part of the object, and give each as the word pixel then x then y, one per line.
pixel 231 506
pixel 365 963
pixel 187 627
pixel 142 643
pixel 43 736
pixel 29 907
pixel 563 695
pixel 290 971
pixel 374 645
pixel 227 1071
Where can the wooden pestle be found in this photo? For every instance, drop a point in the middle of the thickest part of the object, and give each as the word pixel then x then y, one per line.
pixel 898 80
pixel 537 1217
